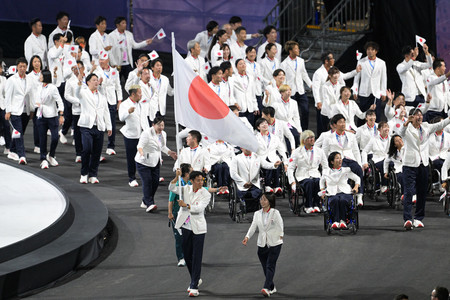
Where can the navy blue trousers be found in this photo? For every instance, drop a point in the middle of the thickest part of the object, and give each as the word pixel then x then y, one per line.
pixel 268 257
pixel 131 150
pixel 6 129
pixel 193 254
pixel 303 109
pixel 77 135
pixel 43 125
pixel 222 173
pixel 416 182
pixel 311 188
pixel 356 168
pixel 338 206
pixel 112 138
pixel 364 105
pixel 150 182
pixel 92 140
pixel 20 124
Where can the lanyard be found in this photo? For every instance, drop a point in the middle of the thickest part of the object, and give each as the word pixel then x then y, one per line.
pixel 273 67
pixel 372 65
pixel 106 74
pixel 312 154
pixel 338 138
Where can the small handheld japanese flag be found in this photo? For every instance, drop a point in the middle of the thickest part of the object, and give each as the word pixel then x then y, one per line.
pixel 71 48
pixel 70 62
pixel 153 55
pixel 206 67
pixel 15 134
pixel 219 53
pixel 68 25
pixel 420 40
pixel 358 55
pixel 161 34
pixel 12 70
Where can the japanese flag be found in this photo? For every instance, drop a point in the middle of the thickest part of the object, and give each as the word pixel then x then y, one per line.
pixel 420 40
pixel 358 55
pixel 70 62
pixel 161 34
pixel 71 48
pixel 12 70
pixel 197 106
pixel 68 25
pixel 15 134
pixel 206 67
pixel 153 55
pixel 219 53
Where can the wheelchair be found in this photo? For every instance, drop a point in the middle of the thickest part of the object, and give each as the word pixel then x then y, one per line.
pixel 352 218
pixel 210 181
pixel 446 200
pixel 238 208
pixel 372 181
pixel 394 192
pixel 434 179
pixel 297 200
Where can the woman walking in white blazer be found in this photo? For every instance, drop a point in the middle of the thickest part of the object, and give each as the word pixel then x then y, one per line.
pixel 270 238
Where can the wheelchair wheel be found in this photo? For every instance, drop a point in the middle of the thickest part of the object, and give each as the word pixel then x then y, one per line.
pixel 284 181
pixel 445 203
pixel 375 180
pixel 232 202
pixel 392 189
pixel 209 184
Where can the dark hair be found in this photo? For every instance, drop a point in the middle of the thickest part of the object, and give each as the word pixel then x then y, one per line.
pixel 370 112
pixel 34 21
pixel 414 111
pixel 80 62
pixel 46 76
pixel 324 57
pixel 214 41
pixel 223 48
pixel 271 198
pixel 406 50
pixel 269 110
pixel 211 25
pixel 401 297
pixel 331 158
pixel 268 47
pixel 441 293
pixel 61 15
pixel 185 169
pixel 195 174
pixel 437 63
pixel 333 70
pixel 267 30
pixel 89 77
pixel 144 55
pixel 196 135
pixel 155 61
pixel 69 36
pixel 158 120
pixel 30 65
pixel 214 70
pixel 133 90
pixel 239 29
pixel 344 88
pixel 289 45
pixel 57 36
pixel 99 19
pixel 235 19
pixel 392 149
pixel 381 124
pixel 372 45
pixel 436 119
pixel 225 66
pixel 336 118
pixel 237 61
pixel 249 49
pixel 233 107
pixel 21 60
pixel 277 72
pixel 259 122
pixel 119 19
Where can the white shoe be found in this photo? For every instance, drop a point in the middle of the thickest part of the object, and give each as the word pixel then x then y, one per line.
pixel 62 138
pixel 193 293
pixel 278 190
pixel 102 158
pixel 49 133
pixel 383 189
pixel 418 224
pixel 309 210
pixel 110 151
pixel 151 208
pixel 181 263
pixel 414 199
pixel 265 292
pixel 44 164
pixel 335 225
pixel 342 225
pixel 22 161
pixel 2 141
pixel 200 281
pixel 133 183
pixel 37 150
pixel 93 180
pixel 273 291
pixel 316 209
pixel 269 189
pixel 161 179
pixel 78 159
pixel 52 161
pixel 13 156
pixel 6 151
pixel 71 132
pixel 84 179
pixel 143 205
pixel 73 143
pixel 359 200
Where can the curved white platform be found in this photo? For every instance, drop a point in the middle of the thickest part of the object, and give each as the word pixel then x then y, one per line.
pixel 28 204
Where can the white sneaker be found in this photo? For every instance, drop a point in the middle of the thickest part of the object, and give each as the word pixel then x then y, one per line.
pixel 359 200
pixel 316 209
pixel 335 225
pixel 44 164
pixel 102 158
pixel 78 159
pixel 265 292
pixel 6 151
pixel 269 189
pixel 13 156
pixel 278 190
pixel 84 179
pixel 342 225
pixel 22 161
pixel 52 161
pixel 71 132
pixel 37 150
pixel 62 138
pixel 418 224
pixel 110 151
pixel 383 189
pixel 181 263
pixel 200 281
pixel 133 183
pixel 143 205
pixel 309 210
pixel 2 141
pixel 93 180
pixel 73 143
pixel 151 208
pixel 193 293
pixel 273 291
pixel 414 199
pixel 161 179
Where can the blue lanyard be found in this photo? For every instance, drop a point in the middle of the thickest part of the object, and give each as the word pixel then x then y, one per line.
pixel 339 140
pixel 106 74
pixel 312 153
pixel 370 63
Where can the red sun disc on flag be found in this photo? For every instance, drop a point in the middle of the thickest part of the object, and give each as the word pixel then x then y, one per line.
pixel 14 69
pixel 206 138
pixel 291 160
pixel 104 55
pixel 114 73
pixel 16 132
pixel 203 100
pixel 144 101
pixel 218 53
pixel 421 40
pixel 161 34
pixel 153 55
pixel 73 48
pixel 70 62
pixel 397 125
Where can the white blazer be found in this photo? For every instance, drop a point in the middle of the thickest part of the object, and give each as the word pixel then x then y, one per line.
pixel 36 45
pixel 371 81
pixel 268 66
pixel 330 94
pixel 133 122
pixel 162 89
pixel 262 49
pixel 94 109
pixel 237 51
pixel 379 147
pixel 416 142
pixel 18 99
pixel 205 41
pixel 110 84
pixel 48 101
pixel 148 103
pixel 120 45
pixel 56 59
pixel 245 169
pixel 271 234
pixel 254 69
pixel 244 93
pixel 438 87
pixel 439 145
pixel 198 159
pixel 97 43
pixel 445 167
pixel 411 77
pixel 269 150
pixel 348 148
pixel 335 181
pixel 152 144
pixel 196 65
pixel 288 112
pixel 220 152
pixel 396 159
pixel 197 202
pixel 51 44
pixel 349 111
pixel 296 74
pixel 2 92
pixel 280 128
pixel 304 166
pixel 390 112
pixel 69 94
pixel 274 95
pixel 323 136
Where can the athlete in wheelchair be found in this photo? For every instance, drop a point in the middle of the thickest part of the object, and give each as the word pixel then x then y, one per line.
pixel 340 211
pixel 304 175
pixel 393 171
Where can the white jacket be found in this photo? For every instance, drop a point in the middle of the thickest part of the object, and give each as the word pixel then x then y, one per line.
pixel 152 144
pixel 123 43
pixel 364 134
pixel 296 74
pixel 245 169
pixel 371 81
pixel 269 149
pixel 438 87
pixel 335 181
pixel 220 152
pixel 288 112
pixel 2 91
pixel 262 49
pixel 56 59
pixel 396 159
pixel 411 77
pixel 268 66
pixel 205 41
pixel 97 43
pixel 94 109
pixel 17 98
pixel 133 122
pixel 379 147
pixel 304 167
pixel 244 93
pixel 348 148
pixel 330 94
pixel 162 89
pixel 270 234
pixel 254 69
pixel 197 202
pixel 110 84
pixel 198 158
pixel 445 167
pixel 48 101
pixel 70 94
pixel 280 129
pixel 349 111
pixel 36 45
pixel 197 65
pixel 439 145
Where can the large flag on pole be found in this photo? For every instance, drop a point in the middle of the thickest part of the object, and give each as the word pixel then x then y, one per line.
pixel 198 107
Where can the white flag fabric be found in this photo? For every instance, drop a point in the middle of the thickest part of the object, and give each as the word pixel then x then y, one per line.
pixel 153 55
pixel 420 40
pixel 358 55
pixel 15 134
pixel 70 62
pixel 71 48
pixel 197 106
pixel 161 34
pixel 68 25
pixel 12 70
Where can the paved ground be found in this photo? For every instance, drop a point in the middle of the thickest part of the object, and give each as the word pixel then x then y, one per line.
pixel 380 261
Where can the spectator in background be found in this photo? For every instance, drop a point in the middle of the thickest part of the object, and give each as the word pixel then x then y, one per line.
pixel 62 18
pixel 99 40
pixel 270 32
pixel 36 43
pixel 236 22
pixel 205 37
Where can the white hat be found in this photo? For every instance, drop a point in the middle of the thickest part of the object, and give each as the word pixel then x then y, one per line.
pixel 103 55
